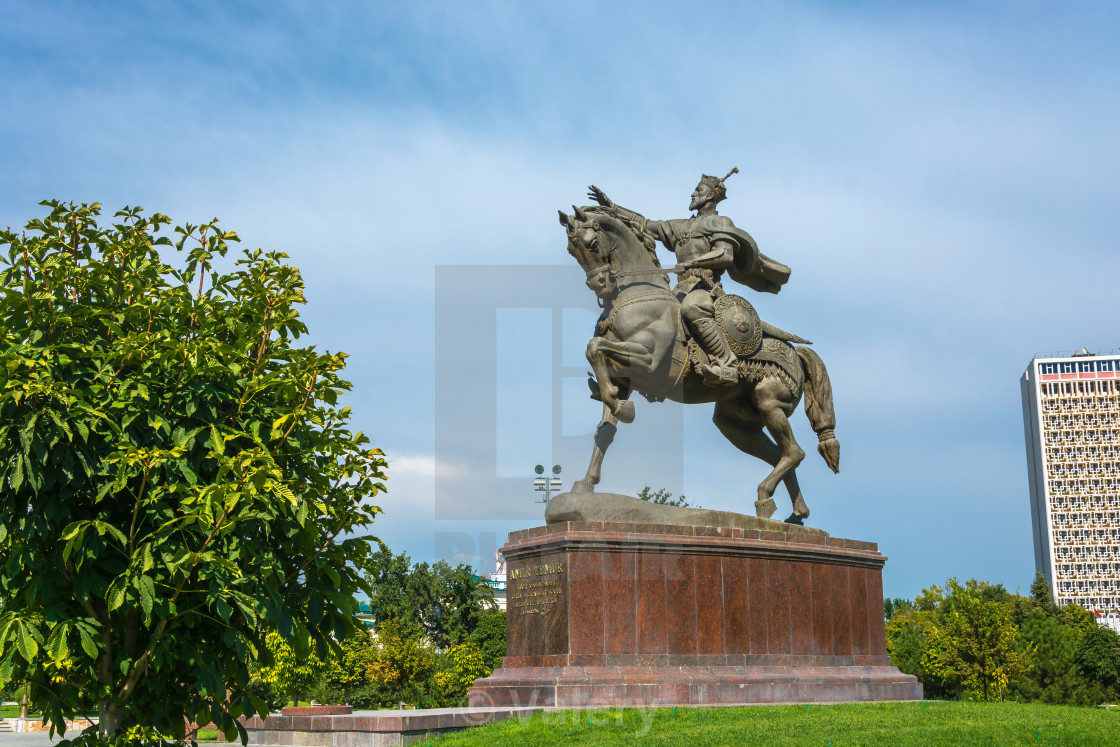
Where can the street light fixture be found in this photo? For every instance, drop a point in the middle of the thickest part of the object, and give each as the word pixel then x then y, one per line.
pixel 546 485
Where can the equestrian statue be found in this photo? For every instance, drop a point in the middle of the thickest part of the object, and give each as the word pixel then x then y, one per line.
pixel 693 342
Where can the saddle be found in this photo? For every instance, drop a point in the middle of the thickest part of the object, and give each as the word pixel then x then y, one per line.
pixel 763 350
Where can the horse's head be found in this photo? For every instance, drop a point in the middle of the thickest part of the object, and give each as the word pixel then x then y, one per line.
pixel 589 243
pixel 609 251
pixel 585 235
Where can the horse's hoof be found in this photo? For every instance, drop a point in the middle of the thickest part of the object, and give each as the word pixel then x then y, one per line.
pixel 795 519
pixel 625 411
pixel 800 508
pixel 764 509
pixel 583 486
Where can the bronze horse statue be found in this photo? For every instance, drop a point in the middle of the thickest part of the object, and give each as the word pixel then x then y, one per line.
pixel 641 345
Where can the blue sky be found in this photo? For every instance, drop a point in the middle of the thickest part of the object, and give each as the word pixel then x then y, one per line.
pixel 942 177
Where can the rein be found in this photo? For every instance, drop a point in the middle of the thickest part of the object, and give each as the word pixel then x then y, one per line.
pixel 611 278
pixel 629 274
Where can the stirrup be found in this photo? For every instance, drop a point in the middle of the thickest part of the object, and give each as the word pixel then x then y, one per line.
pixel 718 375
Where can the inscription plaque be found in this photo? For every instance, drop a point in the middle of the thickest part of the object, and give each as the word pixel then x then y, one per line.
pixel 534 589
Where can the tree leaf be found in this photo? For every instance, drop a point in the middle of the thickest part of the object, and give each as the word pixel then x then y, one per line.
pixel 115 596
pixel 87 643
pixel 259 706
pixel 224 609
pixel 216 442
pixel 7 668
pixel 188 473
pixel 25 433
pixel 16 479
pixel 105 527
pixel 147 595
pixel 246 606
pixel 28 648
pixel 57 645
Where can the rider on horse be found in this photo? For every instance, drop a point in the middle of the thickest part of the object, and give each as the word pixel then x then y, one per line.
pixel 706 244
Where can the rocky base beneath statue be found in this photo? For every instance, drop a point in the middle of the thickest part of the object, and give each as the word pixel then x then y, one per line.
pixel 613 508
pixel 608 614
pixel 596 687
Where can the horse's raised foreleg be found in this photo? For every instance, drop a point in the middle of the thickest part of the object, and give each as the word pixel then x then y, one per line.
pixel 772 398
pixel 627 354
pixel 604 435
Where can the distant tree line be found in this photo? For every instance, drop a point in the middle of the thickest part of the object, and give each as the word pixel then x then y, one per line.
pixel 437 630
pixel 978 641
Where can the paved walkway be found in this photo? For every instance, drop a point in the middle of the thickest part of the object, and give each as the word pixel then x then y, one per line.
pixel 30 739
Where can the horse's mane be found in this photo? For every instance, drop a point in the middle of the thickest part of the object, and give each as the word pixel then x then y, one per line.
pixel 633 225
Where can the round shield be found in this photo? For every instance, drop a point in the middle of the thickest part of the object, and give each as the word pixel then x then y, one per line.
pixel 739 323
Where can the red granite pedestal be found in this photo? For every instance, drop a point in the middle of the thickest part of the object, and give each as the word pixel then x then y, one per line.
pixel 639 615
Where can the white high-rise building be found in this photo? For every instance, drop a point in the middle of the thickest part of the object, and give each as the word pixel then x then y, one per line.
pixel 1071 414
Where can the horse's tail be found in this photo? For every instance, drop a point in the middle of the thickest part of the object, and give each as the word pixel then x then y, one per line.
pixel 818 405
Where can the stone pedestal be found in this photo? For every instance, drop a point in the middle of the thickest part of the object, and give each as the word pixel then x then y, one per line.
pixel 623 614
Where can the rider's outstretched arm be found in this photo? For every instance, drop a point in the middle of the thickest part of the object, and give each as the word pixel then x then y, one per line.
pixel 600 197
pixel 661 230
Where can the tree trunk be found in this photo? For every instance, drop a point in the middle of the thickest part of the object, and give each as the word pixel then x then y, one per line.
pixel 108 718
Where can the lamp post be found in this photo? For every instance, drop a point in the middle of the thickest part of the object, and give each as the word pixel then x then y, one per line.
pixel 546 484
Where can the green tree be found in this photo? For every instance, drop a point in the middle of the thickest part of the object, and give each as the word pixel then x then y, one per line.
pixel 404 655
pixel 465 599
pixel 663 497
pixel 469 666
pixel 290 674
pixel 1098 657
pixel 894 606
pixel 425 590
pixel 348 669
pixel 490 637
pixel 975 644
pixel 446 602
pixel 930 600
pixel 388 581
pixel 1076 616
pixel 1053 676
pixel 178 477
pixel 908 636
pixel 1040 592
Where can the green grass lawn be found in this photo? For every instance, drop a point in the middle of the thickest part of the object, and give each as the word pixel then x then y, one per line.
pixel 932 723
pixel 12 711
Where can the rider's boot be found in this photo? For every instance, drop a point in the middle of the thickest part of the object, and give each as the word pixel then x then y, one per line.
pixel 724 367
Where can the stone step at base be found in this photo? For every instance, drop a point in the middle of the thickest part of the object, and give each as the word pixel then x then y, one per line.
pixel 646 687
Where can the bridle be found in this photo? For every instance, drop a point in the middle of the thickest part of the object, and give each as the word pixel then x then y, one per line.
pixel 610 277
